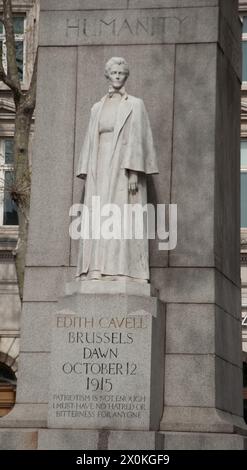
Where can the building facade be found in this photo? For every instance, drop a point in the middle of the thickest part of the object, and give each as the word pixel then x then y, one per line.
pixel 243 230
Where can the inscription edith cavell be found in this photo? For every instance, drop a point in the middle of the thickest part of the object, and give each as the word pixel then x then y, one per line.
pixel 101 371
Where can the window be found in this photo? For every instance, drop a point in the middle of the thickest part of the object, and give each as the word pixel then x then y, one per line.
pixel 245 390
pixel 243 199
pixel 8 212
pixel 243 183
pixel 19 27
pixel 7 389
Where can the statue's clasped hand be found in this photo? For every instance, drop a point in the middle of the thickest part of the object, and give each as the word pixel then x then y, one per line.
pixel 133 182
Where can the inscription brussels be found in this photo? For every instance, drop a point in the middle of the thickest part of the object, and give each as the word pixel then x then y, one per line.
pixel 100 355
pixel 113 338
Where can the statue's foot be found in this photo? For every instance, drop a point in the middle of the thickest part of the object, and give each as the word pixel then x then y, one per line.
pixel 82 277
pixel 94 276
pixel 90 276
pixel 97 276
pixel 123 278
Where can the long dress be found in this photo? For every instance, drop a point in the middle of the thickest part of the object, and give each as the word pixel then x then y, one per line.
pixel 119 139
pixel 106 127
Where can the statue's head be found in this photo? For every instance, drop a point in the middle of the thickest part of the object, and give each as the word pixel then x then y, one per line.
pixel 117 71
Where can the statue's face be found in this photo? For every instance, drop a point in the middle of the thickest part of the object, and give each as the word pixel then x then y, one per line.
pixel 117 76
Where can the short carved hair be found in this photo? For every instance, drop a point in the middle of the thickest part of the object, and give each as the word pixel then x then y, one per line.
pixel 118 61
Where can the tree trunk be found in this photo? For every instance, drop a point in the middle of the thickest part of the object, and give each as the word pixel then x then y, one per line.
pixel 21 185
pixel 24 106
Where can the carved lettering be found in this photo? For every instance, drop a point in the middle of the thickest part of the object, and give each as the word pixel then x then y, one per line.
pixel 125 26
pixel 153 26
pixel 140 26
pixel 72 26
pixel 100 356
pixel 85 27
pixel 107 24
pixel 73 322
pixel 97 353
pixel 89 28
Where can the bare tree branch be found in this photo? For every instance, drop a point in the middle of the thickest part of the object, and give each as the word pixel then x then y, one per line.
pixel 25 100
pixel 3 77
pixel 30 98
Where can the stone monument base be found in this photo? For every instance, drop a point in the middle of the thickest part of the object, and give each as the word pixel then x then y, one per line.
pixel 106 383
pixel 126 287
pixel 82 440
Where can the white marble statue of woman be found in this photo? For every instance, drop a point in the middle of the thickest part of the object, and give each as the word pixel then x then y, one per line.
pixel 116 156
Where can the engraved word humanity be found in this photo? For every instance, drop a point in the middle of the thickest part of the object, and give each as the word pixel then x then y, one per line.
pixel 137 26
pixel 117 27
